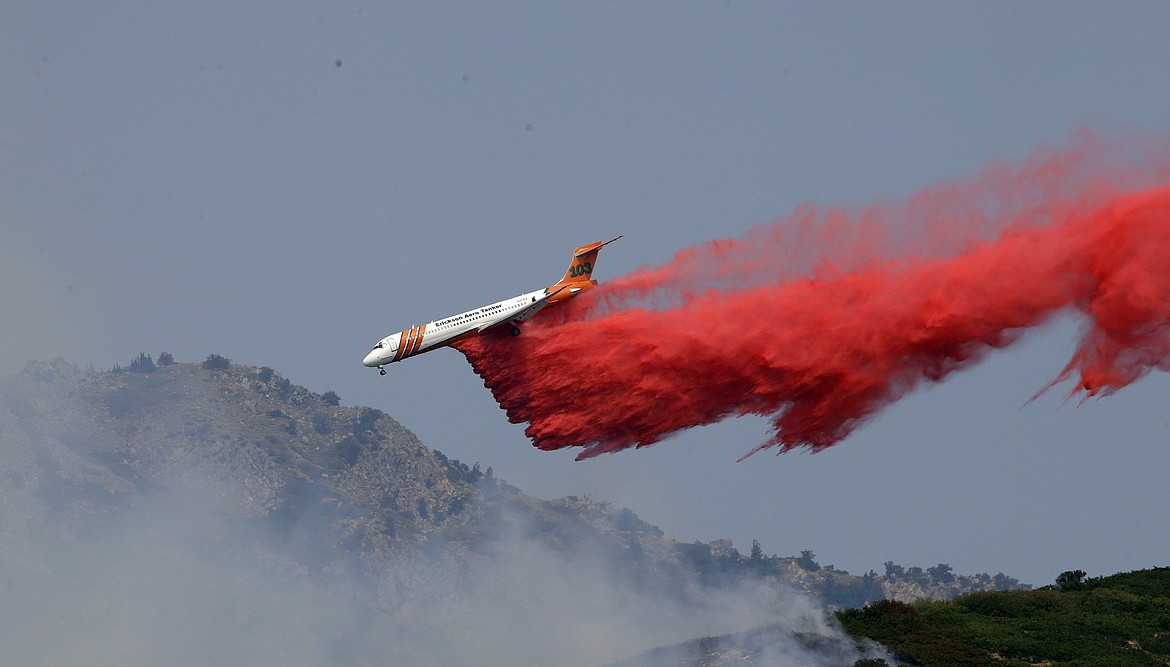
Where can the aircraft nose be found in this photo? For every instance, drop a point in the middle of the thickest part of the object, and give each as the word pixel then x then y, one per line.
pixel 383 352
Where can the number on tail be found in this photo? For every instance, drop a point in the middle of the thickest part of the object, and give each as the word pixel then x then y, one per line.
pixel 582 269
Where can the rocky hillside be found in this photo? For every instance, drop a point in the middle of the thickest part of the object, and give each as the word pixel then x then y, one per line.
pixel 87 443
pixel 268 487
pixel 355 487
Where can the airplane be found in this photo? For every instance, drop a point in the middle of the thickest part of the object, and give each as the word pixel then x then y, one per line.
pixel 450 331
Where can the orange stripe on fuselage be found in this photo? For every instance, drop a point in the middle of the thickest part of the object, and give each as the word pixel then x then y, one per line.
pixel 418 338
pixel 401 344
pixel 405 343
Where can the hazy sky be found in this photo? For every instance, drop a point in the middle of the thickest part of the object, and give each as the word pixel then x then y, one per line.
pixel 284 184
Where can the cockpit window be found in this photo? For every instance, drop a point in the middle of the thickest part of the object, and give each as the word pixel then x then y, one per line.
pixel 380 345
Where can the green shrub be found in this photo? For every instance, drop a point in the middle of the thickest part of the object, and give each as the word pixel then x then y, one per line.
pixel 142 364
pixel 216 362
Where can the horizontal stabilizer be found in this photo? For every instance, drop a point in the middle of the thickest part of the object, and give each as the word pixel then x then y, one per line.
pixel 581 265
pixel 594 246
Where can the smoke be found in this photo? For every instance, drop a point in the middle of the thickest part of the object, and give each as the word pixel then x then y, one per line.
pixel 822 318
pixel 175 580
pixel 123 546
pixel 536 604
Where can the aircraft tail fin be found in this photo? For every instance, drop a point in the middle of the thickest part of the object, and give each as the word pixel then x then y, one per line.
pixel 581 265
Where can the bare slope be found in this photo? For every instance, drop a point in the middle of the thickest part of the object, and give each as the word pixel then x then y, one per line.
pixel 215 513
pixel 348 489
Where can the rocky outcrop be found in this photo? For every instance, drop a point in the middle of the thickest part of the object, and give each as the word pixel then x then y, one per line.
pixel 349 490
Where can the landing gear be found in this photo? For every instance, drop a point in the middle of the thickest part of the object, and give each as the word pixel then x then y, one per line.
pixel 381 371
pixel 515 330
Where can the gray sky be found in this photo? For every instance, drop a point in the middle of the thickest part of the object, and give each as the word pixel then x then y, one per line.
pixel 207 179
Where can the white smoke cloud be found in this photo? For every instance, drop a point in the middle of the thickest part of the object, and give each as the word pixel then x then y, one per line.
pixel 178 579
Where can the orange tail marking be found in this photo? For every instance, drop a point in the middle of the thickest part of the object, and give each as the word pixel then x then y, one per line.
pixel 581 265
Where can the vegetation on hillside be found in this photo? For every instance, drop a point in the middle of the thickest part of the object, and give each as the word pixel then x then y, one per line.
pixel 347 494
pixel 719 562
pixel 305 458
pixel 1123 619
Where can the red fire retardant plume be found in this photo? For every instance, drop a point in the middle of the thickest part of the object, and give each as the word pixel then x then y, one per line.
pixel 824 317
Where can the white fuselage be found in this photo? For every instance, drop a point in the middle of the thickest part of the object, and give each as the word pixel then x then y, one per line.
pixel 448 330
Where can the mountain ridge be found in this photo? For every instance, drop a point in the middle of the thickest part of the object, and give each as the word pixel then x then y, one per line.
pixel 301 491
pixel 275 449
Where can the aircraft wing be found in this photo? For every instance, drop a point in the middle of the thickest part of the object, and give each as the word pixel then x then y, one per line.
pixel 524 313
